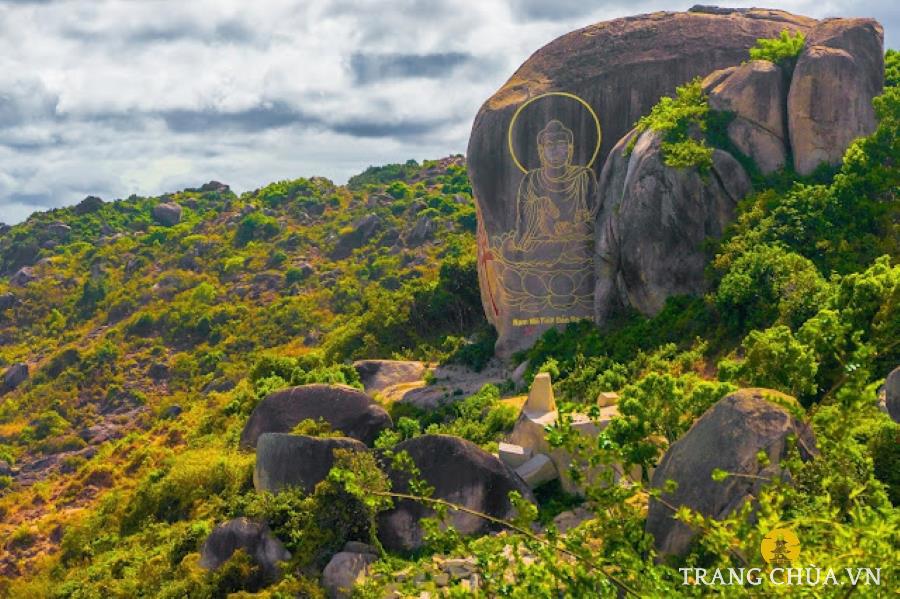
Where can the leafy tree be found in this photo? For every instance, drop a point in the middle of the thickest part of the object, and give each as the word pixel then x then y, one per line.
pixel 774 358
pixel 768 283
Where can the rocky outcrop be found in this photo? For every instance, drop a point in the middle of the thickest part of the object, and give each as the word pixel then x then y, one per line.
pixel 378 375
pixel 58 229
pixel 23 277
pixel 254 538
pixel 755 92
pixel 461 473
pixel 15 375
pixel 830 100
pixel 167 214
pixel 7 301
pixel 215 186
pixel 347 568
pixel 284 460
pixel 654 220
pixel 892 394
pixel 358 236
pixel 531 280
pixel 727 437
pixel 347 410
pixel 552 244
pixel 88 205
pixel 421 232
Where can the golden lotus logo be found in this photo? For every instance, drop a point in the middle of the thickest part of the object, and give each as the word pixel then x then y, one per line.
pixel 780 547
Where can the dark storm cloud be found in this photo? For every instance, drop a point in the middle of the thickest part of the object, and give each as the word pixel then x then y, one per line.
pixel 368 68
pixel 43 200
pixel 258 118
pixel 31 145
pixel 395 129
pixel 279 115
pixel 228 31
pixel 223 32
pixel 25 100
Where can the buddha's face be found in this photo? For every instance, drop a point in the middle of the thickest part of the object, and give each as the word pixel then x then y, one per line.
pixel 556 152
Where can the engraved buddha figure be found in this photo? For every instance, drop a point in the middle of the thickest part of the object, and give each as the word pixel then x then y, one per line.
pixel 555 204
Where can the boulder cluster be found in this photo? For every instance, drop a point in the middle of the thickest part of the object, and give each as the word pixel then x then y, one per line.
pixel 637 231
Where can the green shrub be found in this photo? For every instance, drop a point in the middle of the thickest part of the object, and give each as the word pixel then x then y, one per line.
pixel 768 283
pixel 255 226
pixel 171 493
pixel 682 121
pixel 774 358
pixel 782 50
pixel 378 175
pixel 885 448
pixel 659 405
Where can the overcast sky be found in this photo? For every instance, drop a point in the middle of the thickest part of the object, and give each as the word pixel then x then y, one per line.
pixel 117 97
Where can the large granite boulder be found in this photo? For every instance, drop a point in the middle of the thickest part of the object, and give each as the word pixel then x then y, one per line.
pixel 88 205
pixel 729 437
pixel 23 277
pixel 653 224
pixel 346 409
pixel 892 394
pixel 7 301
pixel 755 92
pixel 347 568
pixel 285 460
pixel 360 233
pixel 378 375
pixel 830 101
pixel 167 214
pixel 254 538
pixel 534 178
pixel 15 375
pixel 58 229
pixel 461 473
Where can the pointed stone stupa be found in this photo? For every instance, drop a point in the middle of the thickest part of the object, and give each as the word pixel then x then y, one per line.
pixel 540 397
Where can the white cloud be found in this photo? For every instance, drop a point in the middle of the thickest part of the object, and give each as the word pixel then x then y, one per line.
pixel 122 96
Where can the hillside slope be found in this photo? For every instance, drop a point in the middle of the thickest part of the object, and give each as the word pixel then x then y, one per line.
pixel 147 346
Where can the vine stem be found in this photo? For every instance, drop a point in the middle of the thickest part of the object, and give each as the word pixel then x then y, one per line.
pixel 461 508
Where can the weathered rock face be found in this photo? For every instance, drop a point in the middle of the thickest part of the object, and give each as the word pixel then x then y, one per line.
pixel 892 394
pixel 215 186
pixel 728 436
pixel 378 375
pixel 22 277
pixel 363 229
pixel 88 205
pixel 653 223
pixel 534 179
pixel 346 568
pixel 460 472
pixel 421 232
pixel 7 301
pixel 15 375
pixel 58 229
pixel 167 214
pixel 251 536
pixel 756 92
pixel 347 410
pixel 284 460
pixel 830 101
